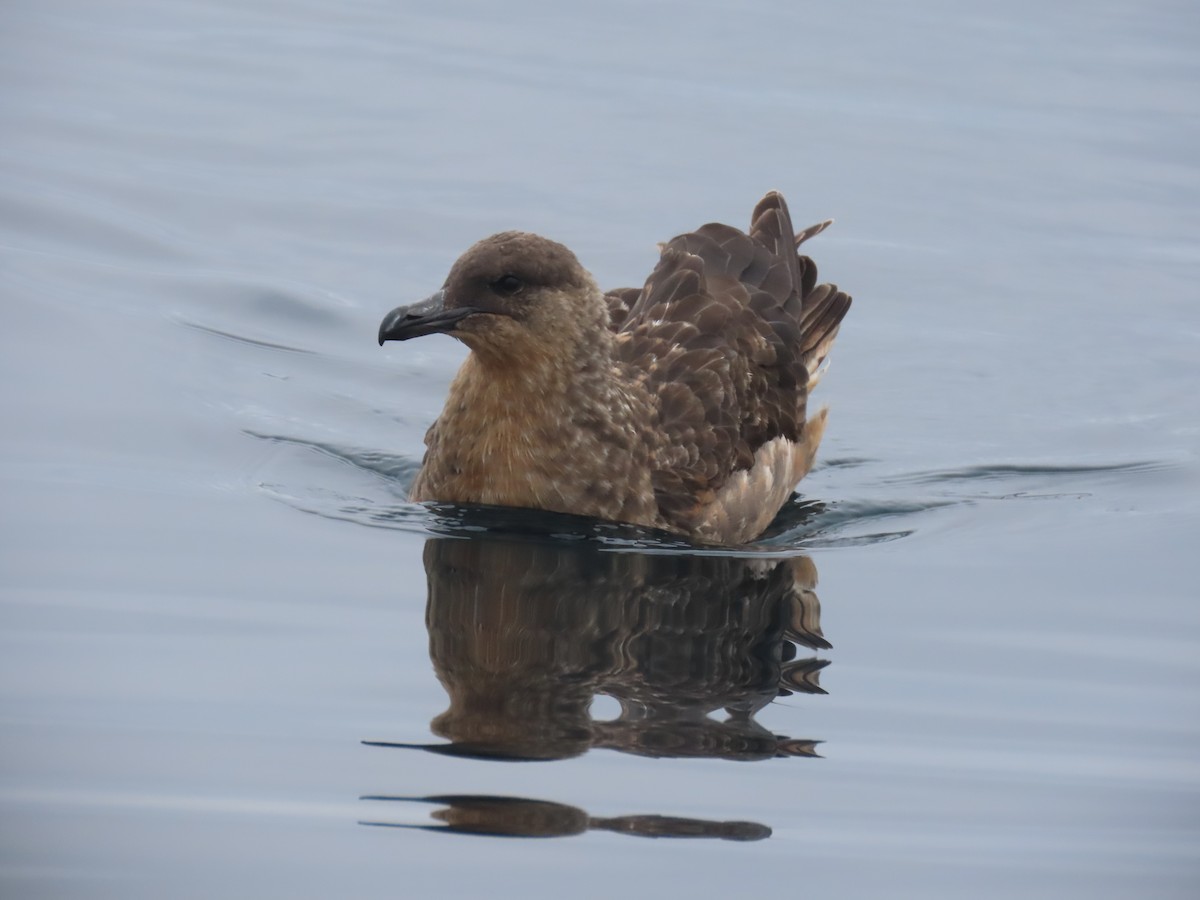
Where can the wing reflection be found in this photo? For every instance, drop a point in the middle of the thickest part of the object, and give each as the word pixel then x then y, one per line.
pixel 525 634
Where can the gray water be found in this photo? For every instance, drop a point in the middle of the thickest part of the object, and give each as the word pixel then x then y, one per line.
pixel 230 652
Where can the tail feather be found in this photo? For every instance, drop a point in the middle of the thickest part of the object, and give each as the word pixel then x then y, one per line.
pixel 824 310
pixel 810 440
pixel 812 231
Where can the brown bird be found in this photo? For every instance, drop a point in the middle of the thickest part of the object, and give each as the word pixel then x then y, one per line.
pixel 681 405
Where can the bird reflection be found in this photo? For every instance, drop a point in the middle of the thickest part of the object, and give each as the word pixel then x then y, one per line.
pixel 524 634
pixel 519 817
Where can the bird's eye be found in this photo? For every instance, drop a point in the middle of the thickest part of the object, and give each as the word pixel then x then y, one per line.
pixel 507 284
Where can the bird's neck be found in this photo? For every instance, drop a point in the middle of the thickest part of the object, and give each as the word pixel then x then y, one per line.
pixel 536 384
pixel 546 435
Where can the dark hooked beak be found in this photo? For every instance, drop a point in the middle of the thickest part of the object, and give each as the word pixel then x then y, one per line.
pixel 430 316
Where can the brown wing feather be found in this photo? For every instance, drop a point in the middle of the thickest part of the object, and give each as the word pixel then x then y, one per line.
pixel 725 335
pixel 620 301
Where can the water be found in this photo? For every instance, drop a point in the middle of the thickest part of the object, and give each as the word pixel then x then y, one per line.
pixel 232 655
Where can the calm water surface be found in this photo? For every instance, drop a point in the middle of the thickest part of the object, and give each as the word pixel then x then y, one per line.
pixel 234 662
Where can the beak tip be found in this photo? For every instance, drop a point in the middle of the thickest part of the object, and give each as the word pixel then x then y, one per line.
pixel 389 329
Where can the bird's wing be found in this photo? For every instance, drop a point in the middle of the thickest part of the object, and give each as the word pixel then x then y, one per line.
pixel 725 334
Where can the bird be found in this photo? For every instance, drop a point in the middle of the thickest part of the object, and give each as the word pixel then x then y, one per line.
pixel 680 406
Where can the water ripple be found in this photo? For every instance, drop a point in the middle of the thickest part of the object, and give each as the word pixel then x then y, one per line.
pixel 804 523
pixel 242 339
pixel 995 472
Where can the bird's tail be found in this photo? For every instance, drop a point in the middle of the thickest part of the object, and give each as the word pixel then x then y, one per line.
pixel 824 309
pixel 818 308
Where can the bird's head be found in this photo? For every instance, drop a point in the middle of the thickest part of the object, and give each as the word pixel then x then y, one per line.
pixel 510 297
